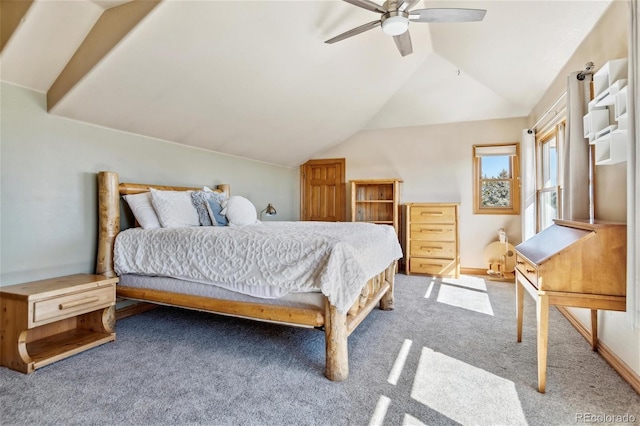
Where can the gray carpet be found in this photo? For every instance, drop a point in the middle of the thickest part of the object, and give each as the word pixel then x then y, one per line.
pixel 463 366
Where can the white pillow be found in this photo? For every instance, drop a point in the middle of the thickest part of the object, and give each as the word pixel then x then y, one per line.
pixel 174 208
pixel 240 211
pixel 142 209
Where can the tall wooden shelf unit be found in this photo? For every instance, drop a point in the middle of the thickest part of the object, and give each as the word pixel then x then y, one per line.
pixel 375 201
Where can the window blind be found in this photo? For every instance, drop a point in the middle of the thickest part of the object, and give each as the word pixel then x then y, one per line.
pixel 495 150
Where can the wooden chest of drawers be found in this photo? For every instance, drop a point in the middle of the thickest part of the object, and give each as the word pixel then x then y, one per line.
pixel 46 321
pixel 432 239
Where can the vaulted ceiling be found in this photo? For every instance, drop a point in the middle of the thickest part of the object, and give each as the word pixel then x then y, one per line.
pixel 255 78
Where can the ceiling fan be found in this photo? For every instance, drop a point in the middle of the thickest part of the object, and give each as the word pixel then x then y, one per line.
pixel 396 15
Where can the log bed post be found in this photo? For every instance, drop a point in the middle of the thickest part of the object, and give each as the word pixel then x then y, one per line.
pixel 386 303
pixel 108 221
pixel 335 330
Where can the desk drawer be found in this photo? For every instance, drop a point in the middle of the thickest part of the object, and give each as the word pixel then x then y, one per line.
pixel 70 305
pixel 527 269
pixel 423 265
pixel 442 249
pixel 433 214
pixel 433 232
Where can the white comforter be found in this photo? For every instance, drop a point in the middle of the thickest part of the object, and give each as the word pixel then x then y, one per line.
pixel 277 257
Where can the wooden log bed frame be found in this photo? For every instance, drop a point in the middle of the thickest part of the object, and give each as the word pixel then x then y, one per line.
pixel 337 327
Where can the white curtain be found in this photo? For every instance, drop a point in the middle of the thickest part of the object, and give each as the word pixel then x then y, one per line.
pixel 575 152
pixel 528 183
pixel 633 172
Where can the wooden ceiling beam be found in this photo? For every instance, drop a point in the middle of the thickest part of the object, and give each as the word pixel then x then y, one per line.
pixel 11 14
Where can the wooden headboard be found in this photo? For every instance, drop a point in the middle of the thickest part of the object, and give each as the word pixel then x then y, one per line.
pixel 109 192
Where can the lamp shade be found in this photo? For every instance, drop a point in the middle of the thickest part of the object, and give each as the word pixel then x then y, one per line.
pixel 269 211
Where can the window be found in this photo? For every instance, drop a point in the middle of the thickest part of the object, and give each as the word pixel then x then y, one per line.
pixel 548 182
pixel 496 185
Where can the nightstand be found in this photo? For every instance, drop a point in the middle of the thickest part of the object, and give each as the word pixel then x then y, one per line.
pixel 49 320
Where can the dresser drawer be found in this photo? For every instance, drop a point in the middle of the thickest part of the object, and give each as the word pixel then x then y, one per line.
pixel 433 232
pixel 420 265
pixel 442 249
pixel 527 269
pixel 70 305
pixel 433 214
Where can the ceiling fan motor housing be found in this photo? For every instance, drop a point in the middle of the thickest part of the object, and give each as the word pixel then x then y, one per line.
pixel 395 22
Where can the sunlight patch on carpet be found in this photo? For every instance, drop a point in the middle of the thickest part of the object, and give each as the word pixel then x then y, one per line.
pixel 428 293
pixel 464 393
pixel 398 365
pixel 472 300
pixel 474 283
pixel 380 412
pixel 411 421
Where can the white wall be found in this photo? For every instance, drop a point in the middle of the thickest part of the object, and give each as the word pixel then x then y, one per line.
pixel 608 40
pixel 435 163
pixel 48 202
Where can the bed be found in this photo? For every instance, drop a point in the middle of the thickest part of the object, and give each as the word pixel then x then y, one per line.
pixel 335 276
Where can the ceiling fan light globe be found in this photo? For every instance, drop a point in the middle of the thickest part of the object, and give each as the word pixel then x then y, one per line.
pixel 395 25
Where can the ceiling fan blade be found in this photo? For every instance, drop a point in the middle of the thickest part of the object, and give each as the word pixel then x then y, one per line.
pixel 354 31
pixel 403 42
pixel 447 15
pixel 406 5
pixel 367 4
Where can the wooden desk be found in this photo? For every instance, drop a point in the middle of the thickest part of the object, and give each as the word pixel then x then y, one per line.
pixel 571 263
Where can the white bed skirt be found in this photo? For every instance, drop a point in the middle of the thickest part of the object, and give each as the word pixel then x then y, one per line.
pixel 298 300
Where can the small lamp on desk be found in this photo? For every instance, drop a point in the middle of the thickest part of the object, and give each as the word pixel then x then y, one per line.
pixel 269 211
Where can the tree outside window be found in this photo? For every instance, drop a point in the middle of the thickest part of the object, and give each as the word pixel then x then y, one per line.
pixel 496 183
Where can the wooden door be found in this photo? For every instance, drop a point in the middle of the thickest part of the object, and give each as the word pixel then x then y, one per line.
pixel 322 183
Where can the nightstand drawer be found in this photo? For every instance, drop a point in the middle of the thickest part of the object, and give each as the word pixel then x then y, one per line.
pixel 435 214
pixel 440 249
pixel 421 265
pixel 70 305
pixel 433 232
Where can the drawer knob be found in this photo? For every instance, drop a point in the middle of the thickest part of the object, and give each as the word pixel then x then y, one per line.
pixel 530 271
pixel 519 262
pixel 80 302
